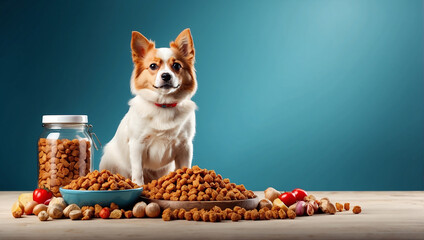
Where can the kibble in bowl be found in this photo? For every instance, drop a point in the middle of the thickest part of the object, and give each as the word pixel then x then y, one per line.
pixel 101 188
pixel 104 180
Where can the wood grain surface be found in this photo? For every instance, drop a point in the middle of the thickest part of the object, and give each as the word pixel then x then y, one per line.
pixel 385 215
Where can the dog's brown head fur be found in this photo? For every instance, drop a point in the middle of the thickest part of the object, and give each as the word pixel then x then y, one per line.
pixel 168 72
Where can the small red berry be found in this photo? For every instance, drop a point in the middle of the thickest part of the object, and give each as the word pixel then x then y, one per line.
pixel 104 213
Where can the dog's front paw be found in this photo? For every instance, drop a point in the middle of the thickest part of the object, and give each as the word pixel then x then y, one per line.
pixel 139 181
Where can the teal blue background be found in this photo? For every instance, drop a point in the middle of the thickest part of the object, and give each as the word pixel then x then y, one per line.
pixel 323 95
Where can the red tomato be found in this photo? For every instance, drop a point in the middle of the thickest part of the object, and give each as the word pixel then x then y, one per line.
pixel 104 213
pixel 300 194
pixel 288 198
pixel 41 195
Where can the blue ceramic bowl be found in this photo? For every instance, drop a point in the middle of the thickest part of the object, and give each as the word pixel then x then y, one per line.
pixel 124 198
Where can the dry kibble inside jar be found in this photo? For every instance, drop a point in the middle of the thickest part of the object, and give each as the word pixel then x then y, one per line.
pixel 195 184
pixel 62 160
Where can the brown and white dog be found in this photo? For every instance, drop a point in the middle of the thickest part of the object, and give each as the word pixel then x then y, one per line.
pixel 156 134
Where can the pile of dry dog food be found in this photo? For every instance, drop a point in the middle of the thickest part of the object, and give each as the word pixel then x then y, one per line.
pixel 195 184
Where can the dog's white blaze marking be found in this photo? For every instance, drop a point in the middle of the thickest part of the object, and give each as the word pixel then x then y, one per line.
pixel 165 54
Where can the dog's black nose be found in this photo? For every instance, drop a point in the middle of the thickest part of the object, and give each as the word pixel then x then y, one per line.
pixel 166 77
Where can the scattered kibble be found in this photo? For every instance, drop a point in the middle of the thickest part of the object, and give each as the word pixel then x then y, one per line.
pixel 216 214
pixel 339 207
pixel 128 214
pixel 291 214
pixel 356 209
pixel 347 206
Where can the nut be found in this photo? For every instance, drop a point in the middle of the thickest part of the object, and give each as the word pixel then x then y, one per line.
pixel 116 214
pixel 59 201
pixel 43 216
pixel 293 207
pixel 271 194
pixel 265 203
pixel 75 214
pixel 139 209
pixel 309 198
pixel 326 206
pixel 152 210
pixel 38 208
pixel 70 208
pixel 331 209
pixel 29 207
pixel 55 211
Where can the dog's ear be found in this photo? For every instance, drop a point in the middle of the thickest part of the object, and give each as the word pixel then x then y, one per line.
pixel 184 44
pixel 140 45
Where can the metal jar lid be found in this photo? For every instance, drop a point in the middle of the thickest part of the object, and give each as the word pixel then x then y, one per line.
pixel 65 119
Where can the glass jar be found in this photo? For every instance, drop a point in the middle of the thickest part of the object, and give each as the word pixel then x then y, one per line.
pixel 64 150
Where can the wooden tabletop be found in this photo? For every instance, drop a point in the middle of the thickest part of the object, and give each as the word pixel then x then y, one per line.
pixel 385 215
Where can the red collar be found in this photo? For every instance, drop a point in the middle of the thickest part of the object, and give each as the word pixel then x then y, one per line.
pixel 166 105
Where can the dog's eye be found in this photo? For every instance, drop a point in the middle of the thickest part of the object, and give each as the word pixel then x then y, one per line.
pixel 176 66
pixel 153 66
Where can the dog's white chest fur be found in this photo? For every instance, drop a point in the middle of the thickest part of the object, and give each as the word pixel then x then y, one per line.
pixel 160 139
